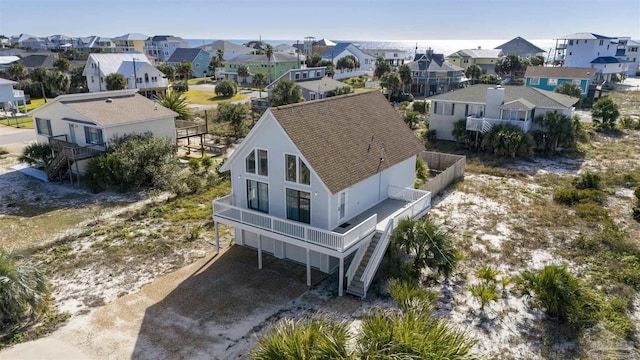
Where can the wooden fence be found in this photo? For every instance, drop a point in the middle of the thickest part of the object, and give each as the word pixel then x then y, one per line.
pixel 452 167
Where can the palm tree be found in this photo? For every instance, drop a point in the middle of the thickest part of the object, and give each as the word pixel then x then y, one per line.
pixel 269 53
pixel 243 72
pixel 216 62
pixel 234 114
pixel 260 80
pixel 473 72
pixel 382 67
pixel 285 92
pixel 23 294
pixel 405 75
pixel 391 81
pixel 175 101
pixel 185 69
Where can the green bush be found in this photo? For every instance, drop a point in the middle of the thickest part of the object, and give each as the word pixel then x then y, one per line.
pixel 420 106
pixel 587 180
pixel 401 97
pixel 572 196
pixel 590 210
pixel 134 161
pixel 507 140
pixel 226 88
pixel 561 295
pixel 3 151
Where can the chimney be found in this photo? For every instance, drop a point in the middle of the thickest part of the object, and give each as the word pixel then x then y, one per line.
pixel 479 47
pixel 495 99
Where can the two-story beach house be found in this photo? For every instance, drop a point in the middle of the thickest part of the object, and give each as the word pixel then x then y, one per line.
pixel 486 59
pixel 433 74
pixel 273 67
pixel 162 47
pixel 521 47
pixel 198 58
pixel 588 50
pixel 136 68
pixel 79 126
pixel 484 106
pixel 324 183
pixel 549 78
pixel 393 57
pixel 342 49
pixel 130 43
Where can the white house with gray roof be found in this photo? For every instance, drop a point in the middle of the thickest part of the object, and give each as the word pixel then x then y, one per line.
pixel 433 74
pixel 136 68
pixel 589 50
pixel 79 126
pixel 163 46
pixel 342 49
pixel 484 106
pixel 319 182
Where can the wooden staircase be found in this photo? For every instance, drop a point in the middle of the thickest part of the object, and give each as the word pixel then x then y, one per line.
pixel 357 287
pixel 59 165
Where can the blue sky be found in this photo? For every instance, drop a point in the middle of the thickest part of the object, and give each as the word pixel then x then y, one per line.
pixel 333 19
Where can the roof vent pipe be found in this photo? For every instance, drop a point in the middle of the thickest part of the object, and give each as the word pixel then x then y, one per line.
pixel 109 100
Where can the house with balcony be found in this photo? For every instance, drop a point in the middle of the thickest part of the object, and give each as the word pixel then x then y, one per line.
pixel 162 46
pixel 520 47
pixel 312 81
pixel 273 67
pixel 549 78
pixel 588 50
pixel 628 51
pixel 136 68
pixel 324 183
pixel 94 44
pixel 393 57
pixel 130 43
pixel 11 99
pixel 433 74
pixel 486 59
pixel 342 49
pixel 80 126
pixel 484 106
pixel 198 58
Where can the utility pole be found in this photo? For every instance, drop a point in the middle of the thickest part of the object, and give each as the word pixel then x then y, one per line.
pixel 135 74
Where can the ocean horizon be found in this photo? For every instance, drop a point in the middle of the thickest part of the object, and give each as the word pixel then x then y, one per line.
pixel 445 47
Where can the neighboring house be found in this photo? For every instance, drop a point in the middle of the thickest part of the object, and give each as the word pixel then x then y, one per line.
pixel 313 82
pixel 95 44
pixel 340 50
pixel 163 46
pixel 132 42
pixel 11 99
pixel 486 105
pixel 13 52
pixel 6 61
pixel 312 46
pixel 35 43
pixel 198 58
pixel 80 126
pixel 285 49
pixel 59 42
pixel 521 47
pixel 632 56
pixel 588 50
pixel 486 59
pixel 273 68
pixel 35 61
pixel 230 49
pixel 549 78
pixel 4 41
pixel 136 68
pixel 393 57
pixel 316 182
pixel 19 39
pixel 432 74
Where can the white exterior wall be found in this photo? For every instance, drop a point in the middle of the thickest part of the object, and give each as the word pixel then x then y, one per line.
pixel 6 93
pixel 583 52
pixel 277 143
pixel 634 59
pixel 495 99
pixel 160 128
pixel 94 85
pixel 442 121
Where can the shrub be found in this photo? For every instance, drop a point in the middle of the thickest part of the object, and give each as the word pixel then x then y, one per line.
pixel 506 140
pixel 23 295
pixel 3 151
pixel 226 88
pixel 401 97
pixel 36 153
pixel 134 161
pixel 557 292
pixel 485 293
pixel 410 295
pixel 420 106
pixel 572 196
pixel 587 180
pixel 194 165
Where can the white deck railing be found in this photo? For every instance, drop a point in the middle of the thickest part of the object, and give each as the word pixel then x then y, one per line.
pixel 419 201
pixel 475 123
pixel 224 208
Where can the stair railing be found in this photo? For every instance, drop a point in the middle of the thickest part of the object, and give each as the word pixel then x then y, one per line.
pixel 377 255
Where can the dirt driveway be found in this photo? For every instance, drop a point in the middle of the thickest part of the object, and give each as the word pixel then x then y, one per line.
pixel 206 310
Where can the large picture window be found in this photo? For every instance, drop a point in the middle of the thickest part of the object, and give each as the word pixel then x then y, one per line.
pixel 258 196
pixel 262 162
pixel 299 206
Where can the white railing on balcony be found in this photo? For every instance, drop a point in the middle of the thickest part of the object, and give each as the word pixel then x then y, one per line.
pixel 224 208
pixel 419 201
pixel 475 123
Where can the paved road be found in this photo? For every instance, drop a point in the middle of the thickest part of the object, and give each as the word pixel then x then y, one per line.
pixel 14 140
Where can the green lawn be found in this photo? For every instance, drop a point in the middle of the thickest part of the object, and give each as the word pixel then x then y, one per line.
pixel 22 122
pixel 199 81
pixel 34 104
pixel 208 98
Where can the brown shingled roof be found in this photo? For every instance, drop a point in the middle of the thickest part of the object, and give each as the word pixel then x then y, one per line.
pixel 345 137
pixel 120 110
pixel 559 72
